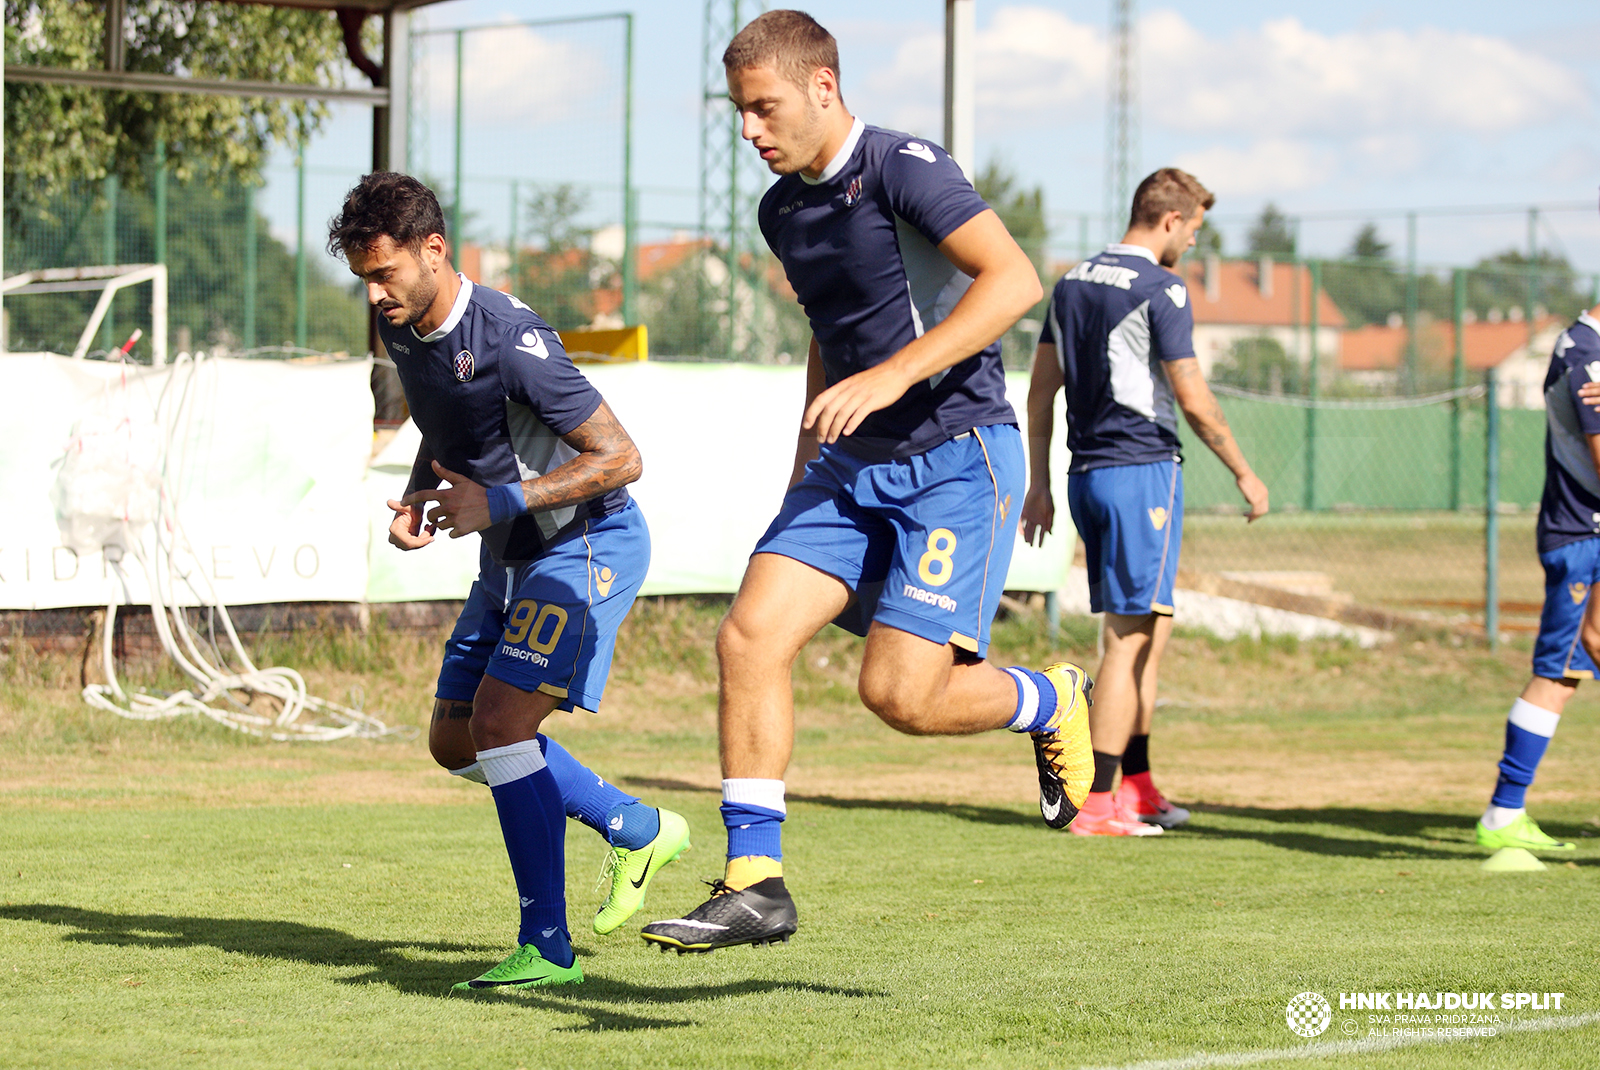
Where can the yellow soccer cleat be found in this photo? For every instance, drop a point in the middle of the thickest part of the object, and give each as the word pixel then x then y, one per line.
pixel 1062 750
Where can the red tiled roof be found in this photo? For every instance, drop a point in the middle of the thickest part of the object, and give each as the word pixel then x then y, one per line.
pixel 1240 299
pixel 1484 345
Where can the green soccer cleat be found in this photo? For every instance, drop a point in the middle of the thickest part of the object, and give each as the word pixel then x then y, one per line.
pixel 524 968
pixel 631 871
pixel 1524 832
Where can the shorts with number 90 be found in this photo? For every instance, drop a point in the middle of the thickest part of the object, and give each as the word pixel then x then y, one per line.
pixel 924 542
pixel 551 624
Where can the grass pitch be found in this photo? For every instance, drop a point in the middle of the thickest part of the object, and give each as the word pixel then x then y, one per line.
pixel 173 895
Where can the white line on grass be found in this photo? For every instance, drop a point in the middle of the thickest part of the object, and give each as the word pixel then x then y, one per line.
pixel 1201 1060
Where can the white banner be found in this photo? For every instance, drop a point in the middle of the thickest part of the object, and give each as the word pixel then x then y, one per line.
pixel 718 445
pixel 268 468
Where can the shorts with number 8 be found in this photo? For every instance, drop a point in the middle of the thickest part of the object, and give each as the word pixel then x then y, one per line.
pixel 924 542
pixel 551 625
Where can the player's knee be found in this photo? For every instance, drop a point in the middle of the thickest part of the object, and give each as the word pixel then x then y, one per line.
pixel 887 695
pixel 738 644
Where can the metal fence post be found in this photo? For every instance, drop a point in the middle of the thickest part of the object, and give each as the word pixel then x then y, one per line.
pixel 1491 511
pixel 249 267
pixel 455 205
pixel 1411 303
pixel 511 241
pixel 109 255
pixel 1313 376
pixel 1458 379
pixel 630 208
pixel 160 184
pixel 300 250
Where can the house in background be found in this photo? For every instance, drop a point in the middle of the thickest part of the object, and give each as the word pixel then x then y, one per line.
pixel 1236 300
pixel 1375 355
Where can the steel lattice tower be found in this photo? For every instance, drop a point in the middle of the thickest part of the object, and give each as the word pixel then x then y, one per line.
pixel 732 180
pixel 1122 118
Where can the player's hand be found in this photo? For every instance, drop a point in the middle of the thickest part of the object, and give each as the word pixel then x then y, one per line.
pixel 840 409
pixel 1255 496
pixel 463 505
pixel 406 531
pixel 1038 515
pixel 1590 393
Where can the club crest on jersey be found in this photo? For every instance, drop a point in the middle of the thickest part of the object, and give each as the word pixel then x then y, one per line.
pixel 852 192
pixel 464 366
pixel 1158 517
pixel 1577 591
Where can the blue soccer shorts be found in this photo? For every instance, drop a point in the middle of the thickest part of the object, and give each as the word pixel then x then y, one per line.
pixel 924 542
pixel 1130 518
pixel 1570 573
pixel 551 624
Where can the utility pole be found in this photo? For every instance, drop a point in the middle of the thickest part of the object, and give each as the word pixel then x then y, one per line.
pixel 1122 118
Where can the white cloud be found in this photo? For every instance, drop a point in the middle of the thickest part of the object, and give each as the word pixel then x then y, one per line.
pixel 1271 166
pixel 1285 79
pixel 517 77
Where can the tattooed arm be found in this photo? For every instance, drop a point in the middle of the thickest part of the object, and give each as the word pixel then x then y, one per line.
pixel 1200 408
pixel 607 459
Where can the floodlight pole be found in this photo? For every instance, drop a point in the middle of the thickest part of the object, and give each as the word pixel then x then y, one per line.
pixel 960 26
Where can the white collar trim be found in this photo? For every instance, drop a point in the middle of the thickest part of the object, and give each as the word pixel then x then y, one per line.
pixel 1122 249
pixel 840 158
pixel 457 310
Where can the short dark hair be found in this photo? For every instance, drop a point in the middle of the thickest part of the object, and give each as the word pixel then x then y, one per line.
pixel 1168 190
pixel 385 203
pixel 789 42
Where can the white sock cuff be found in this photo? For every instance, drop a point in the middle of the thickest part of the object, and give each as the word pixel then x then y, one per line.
pixel 1498 817
pixel 473 772
pixel 1028 694
pixel 502 765
pixel 1530 718
pixel 767 794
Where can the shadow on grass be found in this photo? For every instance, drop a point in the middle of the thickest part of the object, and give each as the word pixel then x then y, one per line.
pixel 388 962
pixel 1405 833
pixel 983 815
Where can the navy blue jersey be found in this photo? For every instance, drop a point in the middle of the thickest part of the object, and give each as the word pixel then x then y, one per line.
pixel 859 245
pixel 1570 508
pixel 1114 319
pixel 492 390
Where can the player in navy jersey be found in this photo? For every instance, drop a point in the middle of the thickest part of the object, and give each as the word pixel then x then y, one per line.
pixel 1569 549
pixel 531 457
pixel 1118 339
pixel 900 517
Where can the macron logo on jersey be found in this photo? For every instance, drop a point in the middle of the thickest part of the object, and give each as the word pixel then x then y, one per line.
pixel 1593 368
pixel 1107 275
pixel 919 150
pixel 1179 295
pixel 533 342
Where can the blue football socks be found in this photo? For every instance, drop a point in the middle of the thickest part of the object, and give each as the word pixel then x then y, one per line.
pixel 534 824
pixel 1528 732
pixel 1036 700
pixel 621 818
pixel 753 812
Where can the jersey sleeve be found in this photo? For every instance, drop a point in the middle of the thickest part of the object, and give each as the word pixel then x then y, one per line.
pixel 1583 364
pixel 536 371
pixel 928 190
pixel 1172 322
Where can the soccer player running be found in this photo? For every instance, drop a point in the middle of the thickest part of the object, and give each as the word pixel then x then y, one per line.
pixel 1569 549
pixel 1118 338
pixel 899 521
pixel 532 457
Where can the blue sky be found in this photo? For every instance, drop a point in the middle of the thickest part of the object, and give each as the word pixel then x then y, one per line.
pixel 1358 109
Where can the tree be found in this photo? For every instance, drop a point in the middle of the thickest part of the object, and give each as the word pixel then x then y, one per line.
pixel 560 275
pixel 1501 282
pixel 1259 364
pixel 1208 240
pixel 1366 245
pixel 1272 234
pixel 58 138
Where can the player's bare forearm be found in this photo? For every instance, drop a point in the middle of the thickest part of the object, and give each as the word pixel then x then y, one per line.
pixel 607 460
pixel 1004 286
pixel 1594 451
pixel 1204 414
pixel 806 446
pixel 1043 385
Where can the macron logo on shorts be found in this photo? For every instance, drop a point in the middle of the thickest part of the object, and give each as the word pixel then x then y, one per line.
pixel 1158 517
pixel 939 601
